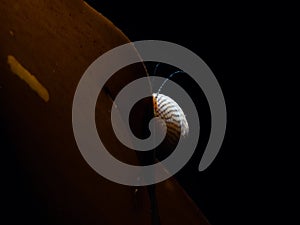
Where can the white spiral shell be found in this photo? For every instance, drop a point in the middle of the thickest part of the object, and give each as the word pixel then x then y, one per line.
pixel 169 111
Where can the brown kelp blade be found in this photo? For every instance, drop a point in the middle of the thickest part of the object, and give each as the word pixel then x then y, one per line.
pixel 45 47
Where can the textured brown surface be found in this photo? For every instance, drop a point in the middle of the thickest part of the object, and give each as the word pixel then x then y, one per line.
pixel 56 41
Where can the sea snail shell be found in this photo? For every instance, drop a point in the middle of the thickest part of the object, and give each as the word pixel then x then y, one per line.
pixel 169 111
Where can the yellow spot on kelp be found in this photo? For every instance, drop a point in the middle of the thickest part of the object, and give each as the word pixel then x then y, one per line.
pixel 25 75
pixel 11 33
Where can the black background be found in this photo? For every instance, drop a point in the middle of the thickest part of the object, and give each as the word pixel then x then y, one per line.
pixel 235 40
